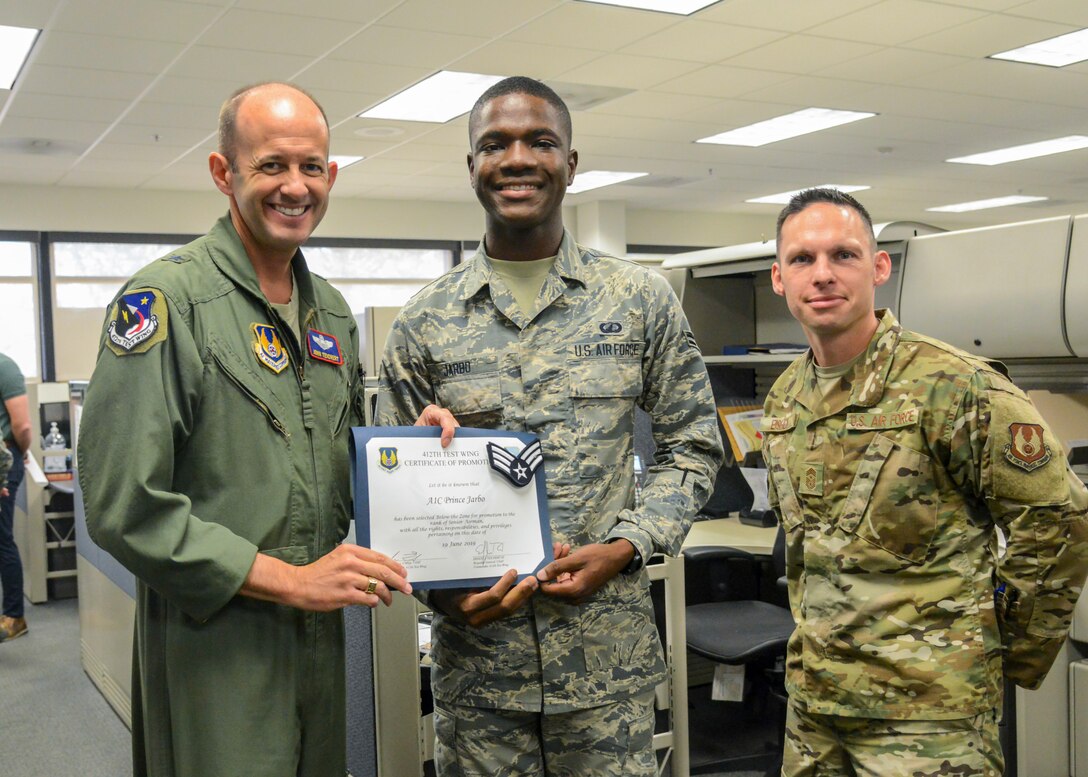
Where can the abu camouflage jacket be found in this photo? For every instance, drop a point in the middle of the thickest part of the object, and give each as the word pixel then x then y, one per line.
pixel 610 336
pixel 893 491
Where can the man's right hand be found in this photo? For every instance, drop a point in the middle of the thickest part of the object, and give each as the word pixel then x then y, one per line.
pixel 337 579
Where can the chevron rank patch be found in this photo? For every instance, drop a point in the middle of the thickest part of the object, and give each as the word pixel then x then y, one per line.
pixel 138 321
pixel 517 468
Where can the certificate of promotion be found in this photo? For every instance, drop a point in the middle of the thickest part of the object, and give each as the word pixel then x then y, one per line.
pixel 455 517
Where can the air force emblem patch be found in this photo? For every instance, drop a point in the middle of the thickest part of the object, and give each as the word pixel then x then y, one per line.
pixel 269 348
pixel 1027 449
pixel 518 469
pixel 324 347
pixel 387 459
pixel 138 322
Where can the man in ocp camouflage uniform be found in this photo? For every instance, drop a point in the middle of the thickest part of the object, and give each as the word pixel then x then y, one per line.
pixel 895 460
pixel 538 334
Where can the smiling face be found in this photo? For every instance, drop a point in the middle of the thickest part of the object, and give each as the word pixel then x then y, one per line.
pixel 278 177
pixel 828 271
pixel 520 164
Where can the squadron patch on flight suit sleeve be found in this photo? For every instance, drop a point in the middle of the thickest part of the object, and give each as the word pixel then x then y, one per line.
pixel 138 321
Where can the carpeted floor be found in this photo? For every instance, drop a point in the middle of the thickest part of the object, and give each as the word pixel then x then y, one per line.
pixel 54 722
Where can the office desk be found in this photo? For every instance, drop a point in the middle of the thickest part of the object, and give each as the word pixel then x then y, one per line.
pixel 730 532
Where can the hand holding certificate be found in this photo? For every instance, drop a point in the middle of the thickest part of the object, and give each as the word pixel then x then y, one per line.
pixel 455 517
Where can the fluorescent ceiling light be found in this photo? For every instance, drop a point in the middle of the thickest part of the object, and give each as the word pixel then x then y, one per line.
pixel 1027 151
pixel 15 46
pixel 444 96
pixel 595 179
pixel 682 7
pixel 345 161
pixel 1053 52
pixel 789 126
pixel 995 202
pixel 783 198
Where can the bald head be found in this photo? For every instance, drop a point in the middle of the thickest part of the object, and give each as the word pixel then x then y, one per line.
pixel 278 98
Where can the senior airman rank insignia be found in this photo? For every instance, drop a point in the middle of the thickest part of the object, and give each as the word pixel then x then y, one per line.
pixel 269 348
pixel 517 468
pixel 1028 450
pixel 137 323
pixel 324 347
pixel 387 459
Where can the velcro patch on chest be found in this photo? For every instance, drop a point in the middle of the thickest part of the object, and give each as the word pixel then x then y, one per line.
pixel 324 347
pixel 896 419
pixel 782 423
pixel 811 479
pixel 607 350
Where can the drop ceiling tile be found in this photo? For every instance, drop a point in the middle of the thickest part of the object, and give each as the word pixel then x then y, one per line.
pixel 44 106
pixel 723 81
pixel 20 13
pixel 154 20
pixel 590 26
pixel 488 18
pixel 287 33
pixel 1063 11
pixel 627 71
pixel 788 15
pixel 389 45
pixel 244 67
pixel 150 155
pixel 651 104
pixel 801 54
pixel 165 115
pixel 365 78
pixel 105 52
pixel 67 130
pixel 698 41
pixel 537 60
pixel 170 135
pixel 892 66
pixel 895 21
pixel 360 11
pixel 106 179
pixel 988 35
pixel 82 82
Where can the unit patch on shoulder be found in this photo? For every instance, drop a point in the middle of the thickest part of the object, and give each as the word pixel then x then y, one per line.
pixel 324 347
pixel 138 322
pixel 1028 450
pixel 269 348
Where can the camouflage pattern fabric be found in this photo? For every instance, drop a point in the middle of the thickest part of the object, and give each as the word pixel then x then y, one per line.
pixel 6 460
pixel 609 336
pixel 834 746
pixel 891 490
pixel 615 740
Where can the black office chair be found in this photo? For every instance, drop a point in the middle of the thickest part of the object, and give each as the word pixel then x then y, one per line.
pixel 746 631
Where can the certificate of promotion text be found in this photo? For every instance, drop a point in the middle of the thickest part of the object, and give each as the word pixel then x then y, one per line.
pixel 455 517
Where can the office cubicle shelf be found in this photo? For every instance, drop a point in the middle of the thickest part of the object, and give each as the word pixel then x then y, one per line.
pixel 752 359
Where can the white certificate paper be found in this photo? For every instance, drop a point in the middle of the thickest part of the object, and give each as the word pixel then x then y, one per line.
pixel 455 517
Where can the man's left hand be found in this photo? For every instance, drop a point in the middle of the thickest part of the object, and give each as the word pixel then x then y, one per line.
pixel 582 573
pixel 433 415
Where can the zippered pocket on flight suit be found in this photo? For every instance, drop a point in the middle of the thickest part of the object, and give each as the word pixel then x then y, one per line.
pixel 252 395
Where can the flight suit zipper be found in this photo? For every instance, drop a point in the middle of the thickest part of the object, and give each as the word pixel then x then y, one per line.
pixel 276 423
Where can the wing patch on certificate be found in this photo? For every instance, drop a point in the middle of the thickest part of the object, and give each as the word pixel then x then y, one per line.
pixel 517 468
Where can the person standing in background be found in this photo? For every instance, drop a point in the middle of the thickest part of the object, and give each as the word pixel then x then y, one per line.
pixel 15 431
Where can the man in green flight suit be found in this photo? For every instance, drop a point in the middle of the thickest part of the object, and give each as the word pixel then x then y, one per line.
pixel 538 334
pixel 896 462
pixel 213 460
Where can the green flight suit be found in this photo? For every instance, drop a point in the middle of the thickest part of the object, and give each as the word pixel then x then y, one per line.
pixel 208 437
pixel 891 489
pixel 608 336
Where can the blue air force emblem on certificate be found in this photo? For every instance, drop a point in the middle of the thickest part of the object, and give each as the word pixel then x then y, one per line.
pixel 387 459
pixel 269 348
pixel 137 323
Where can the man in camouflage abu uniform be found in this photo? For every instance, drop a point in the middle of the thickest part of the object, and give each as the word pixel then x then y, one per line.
pixel 893 460
pixel 563 342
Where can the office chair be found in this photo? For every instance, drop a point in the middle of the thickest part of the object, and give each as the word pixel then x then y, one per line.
pixel 741 631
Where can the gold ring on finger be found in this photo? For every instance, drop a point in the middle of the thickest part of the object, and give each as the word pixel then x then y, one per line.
pixel 372 586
